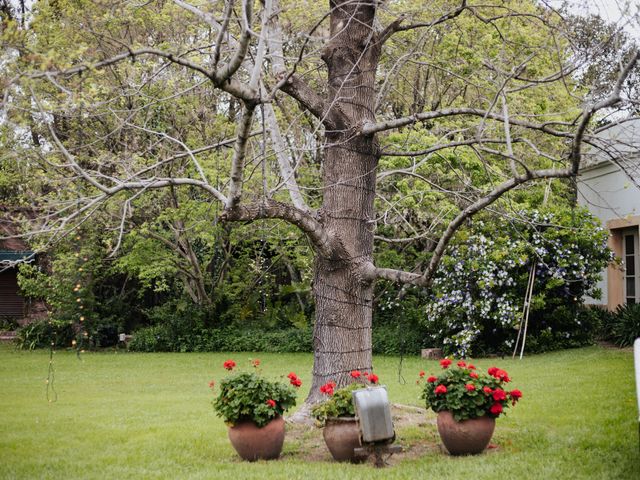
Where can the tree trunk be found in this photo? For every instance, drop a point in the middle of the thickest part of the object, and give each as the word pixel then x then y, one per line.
pixel 342 334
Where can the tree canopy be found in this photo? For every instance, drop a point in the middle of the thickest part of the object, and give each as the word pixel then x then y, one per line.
pixel 365 126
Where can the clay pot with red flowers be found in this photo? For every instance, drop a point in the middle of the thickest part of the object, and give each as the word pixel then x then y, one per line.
pixel 467 402
pixel 252 407
pixel 336 415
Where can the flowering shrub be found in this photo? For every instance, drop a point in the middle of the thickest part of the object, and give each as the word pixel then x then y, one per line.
pixel 249 396
pixel 480 285
pixel 340 402
pixel 468 393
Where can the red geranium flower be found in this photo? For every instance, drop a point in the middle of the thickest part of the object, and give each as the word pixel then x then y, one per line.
pixel 444 363
pixel 473 375
pixel 502 375
pixel 496 408
pixel 372 377
pixel 255 363
pixel 327 388
pixel 355 373
pixel 471 367
pixel 515 395
pixel 294 380
pixel 422 374
pixel 492 371
pixel 441 389
pixel 431 379
pixel 499 395
pixel 229 365
pixel 470 387
pixel 487 390
pixel 271 403
pixel 461 364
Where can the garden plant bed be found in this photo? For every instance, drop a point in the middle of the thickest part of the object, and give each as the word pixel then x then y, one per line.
pixel 307 444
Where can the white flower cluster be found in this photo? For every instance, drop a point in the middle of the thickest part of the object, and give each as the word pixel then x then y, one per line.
pixel 482 282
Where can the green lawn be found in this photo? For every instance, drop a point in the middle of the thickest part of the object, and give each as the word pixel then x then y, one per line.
pixel 124 415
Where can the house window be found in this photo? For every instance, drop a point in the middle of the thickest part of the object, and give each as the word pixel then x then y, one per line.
pixel 632 266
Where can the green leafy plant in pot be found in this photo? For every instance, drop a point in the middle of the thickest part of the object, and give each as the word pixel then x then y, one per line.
pixel 467 402
pixel 337 415
pixel 252 406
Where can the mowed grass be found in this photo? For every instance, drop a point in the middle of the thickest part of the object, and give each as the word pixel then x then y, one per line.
pixel 125 415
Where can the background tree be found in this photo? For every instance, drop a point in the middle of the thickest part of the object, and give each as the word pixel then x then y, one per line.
pixel 334 119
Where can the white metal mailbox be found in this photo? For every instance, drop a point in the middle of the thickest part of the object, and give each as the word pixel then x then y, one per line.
pixel 374 414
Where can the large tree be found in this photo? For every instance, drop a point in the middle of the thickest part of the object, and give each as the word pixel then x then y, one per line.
pixel 336 119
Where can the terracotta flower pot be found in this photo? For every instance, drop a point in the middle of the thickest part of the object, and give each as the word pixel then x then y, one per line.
pixel 255 443
pixel 342 435
pixel 466 437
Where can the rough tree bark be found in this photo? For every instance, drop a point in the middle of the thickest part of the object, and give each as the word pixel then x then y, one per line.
pixel 343 295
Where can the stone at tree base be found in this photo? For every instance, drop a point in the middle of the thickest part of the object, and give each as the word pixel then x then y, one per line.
pixel 432 353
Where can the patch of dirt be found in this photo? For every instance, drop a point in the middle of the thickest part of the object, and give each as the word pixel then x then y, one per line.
pixel 415 433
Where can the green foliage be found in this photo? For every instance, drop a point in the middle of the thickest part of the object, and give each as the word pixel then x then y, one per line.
pixel 398 323
pixel 290 340
pixel 480 285
pixel 177 269
pixel 246 396
pixel 624 326
pixel 467 393
pixel 402 338
pixel 8 323
pixel 564 327
pixel 45 333
pixel 340 404
pixel 164 338
pixel 156 338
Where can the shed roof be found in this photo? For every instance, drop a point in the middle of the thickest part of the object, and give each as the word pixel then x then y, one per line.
pixel 13 256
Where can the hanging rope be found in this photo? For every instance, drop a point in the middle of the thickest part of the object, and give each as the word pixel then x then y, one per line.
pixel 51 393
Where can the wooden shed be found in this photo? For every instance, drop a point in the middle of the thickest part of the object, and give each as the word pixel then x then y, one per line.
pixel 13 250
pixel 12 303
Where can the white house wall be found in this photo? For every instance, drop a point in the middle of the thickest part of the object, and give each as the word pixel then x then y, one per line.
pixel 609 194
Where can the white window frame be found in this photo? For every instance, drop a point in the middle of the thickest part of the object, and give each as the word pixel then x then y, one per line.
pixel 633 256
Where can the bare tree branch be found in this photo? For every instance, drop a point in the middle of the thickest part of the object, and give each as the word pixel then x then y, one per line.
pixel 371 128
pixel 229 85
pixel 239 149
pixel 274 40
pixel 611 100
pixel 426 278
pixel 223 75
pixel 270 209
pixel 397 26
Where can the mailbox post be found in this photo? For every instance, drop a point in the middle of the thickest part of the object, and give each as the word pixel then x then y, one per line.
pixel 376 426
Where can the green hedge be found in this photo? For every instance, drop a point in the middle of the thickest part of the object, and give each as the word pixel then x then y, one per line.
pixel 160 338
pixel 568 329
